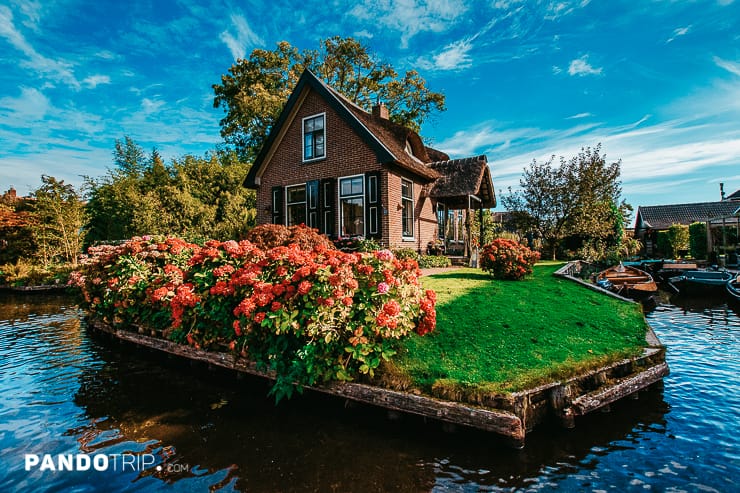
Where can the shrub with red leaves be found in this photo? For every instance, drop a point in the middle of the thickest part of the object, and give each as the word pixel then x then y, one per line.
pixel 507 259
pixel 266 236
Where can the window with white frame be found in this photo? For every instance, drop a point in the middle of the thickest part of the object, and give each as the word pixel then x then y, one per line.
pixel 407 203
pixel 313 137
pixel 295 198
pixel 352 205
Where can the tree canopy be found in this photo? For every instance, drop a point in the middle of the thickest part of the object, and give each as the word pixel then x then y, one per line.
pixel 579 197
pixel 193 197
pixel 254 91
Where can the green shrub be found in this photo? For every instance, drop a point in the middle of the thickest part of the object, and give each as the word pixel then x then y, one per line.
pixel 406 254
pixel 698 240
pixel 430 261
pixel 507 259
pixel 309 315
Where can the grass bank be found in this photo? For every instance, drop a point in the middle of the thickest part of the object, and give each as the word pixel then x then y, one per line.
pixel 503 336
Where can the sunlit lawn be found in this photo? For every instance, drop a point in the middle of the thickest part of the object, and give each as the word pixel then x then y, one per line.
pixel 497 336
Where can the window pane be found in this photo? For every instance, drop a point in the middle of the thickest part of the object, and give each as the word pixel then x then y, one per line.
pixel 309 125
pixel 406 189
pixel 318 123
pixel 408 218
pixel 357 186
pixel 296 214
pixel 353 217
pixel 297 194
pixel 319 150
pixel 308 147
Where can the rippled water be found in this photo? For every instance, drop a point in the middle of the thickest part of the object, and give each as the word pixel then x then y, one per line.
pixel 64 390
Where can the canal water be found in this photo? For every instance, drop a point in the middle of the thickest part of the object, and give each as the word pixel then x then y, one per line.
pixel 181 427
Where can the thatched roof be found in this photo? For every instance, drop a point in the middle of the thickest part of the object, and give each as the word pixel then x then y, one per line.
pixel 463 177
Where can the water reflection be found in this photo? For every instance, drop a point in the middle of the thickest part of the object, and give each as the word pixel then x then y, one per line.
pixel 66 390
pixel 313 443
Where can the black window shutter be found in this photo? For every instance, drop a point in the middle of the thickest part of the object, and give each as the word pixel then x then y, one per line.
pixel 312 204
pixel 277 205
pixel 373 206
pixel 327 206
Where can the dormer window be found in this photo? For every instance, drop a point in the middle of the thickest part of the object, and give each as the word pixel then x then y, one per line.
pixel 314 137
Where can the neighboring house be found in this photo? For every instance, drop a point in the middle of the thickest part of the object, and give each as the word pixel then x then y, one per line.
pixel 652 219
pixel 349 173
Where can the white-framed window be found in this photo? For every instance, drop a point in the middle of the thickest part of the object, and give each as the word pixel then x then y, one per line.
pixel 407 213
pixel 295 200
pixel 352 205
pixel 314 137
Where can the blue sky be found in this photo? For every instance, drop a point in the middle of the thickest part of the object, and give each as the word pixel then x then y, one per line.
pixel 656 82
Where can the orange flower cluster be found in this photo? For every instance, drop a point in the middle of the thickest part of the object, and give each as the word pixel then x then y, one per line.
pixel 308 314
pixel 507 259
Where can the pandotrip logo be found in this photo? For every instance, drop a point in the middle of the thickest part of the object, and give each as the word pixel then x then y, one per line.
pixel 99 463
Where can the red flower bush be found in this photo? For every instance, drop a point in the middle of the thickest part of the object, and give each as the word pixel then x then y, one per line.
pixel 507 259
pixel 308 314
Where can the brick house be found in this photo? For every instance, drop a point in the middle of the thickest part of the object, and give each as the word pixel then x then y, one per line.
pixel 349 173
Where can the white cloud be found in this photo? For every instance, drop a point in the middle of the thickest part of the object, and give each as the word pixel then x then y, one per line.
pixel 681 31
pixel 410 17
pixel 363 34
pixel 245 37
pixel 581 67
pixel 58 70
pixel 30 106
pixel 579 115
pixel 94 81
pixel 732 67
pixel 454 56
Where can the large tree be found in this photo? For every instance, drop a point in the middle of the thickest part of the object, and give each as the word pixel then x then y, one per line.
pixel 580 197
pixel 254 91
pixel 60 216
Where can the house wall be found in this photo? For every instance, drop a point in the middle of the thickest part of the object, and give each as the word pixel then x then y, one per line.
pixel 346 154
pixel 425 218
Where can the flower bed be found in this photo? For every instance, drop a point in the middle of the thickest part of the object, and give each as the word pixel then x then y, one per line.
pixel 308 315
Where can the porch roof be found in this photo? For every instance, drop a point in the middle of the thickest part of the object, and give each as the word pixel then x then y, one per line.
pixel 461 178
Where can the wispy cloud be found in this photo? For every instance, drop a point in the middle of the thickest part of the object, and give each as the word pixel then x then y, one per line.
pixel 454 56
pixel 245 37
pixel 732 67
pixel 94 81
pixel 579 116
pixel 410 17
pixel 677 33
pixel 581 67
pixel 58 70
pixel 30 106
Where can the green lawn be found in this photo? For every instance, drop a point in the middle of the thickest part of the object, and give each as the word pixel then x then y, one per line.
pixel 503 336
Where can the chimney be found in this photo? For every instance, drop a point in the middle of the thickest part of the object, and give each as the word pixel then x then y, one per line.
pixel 380 111
pixel 722 191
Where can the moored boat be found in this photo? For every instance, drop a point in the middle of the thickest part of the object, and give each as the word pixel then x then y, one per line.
pixel 701 280
pixel 625 279
pixel 733 287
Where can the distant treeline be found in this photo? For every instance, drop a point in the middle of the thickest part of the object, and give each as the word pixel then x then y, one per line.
pixel 191 197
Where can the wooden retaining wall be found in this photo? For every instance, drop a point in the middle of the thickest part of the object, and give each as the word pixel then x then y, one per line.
pixel 509 415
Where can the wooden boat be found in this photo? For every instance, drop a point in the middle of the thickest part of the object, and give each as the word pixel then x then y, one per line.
pixel 733 287
pixel 628 280
pixel 701 280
